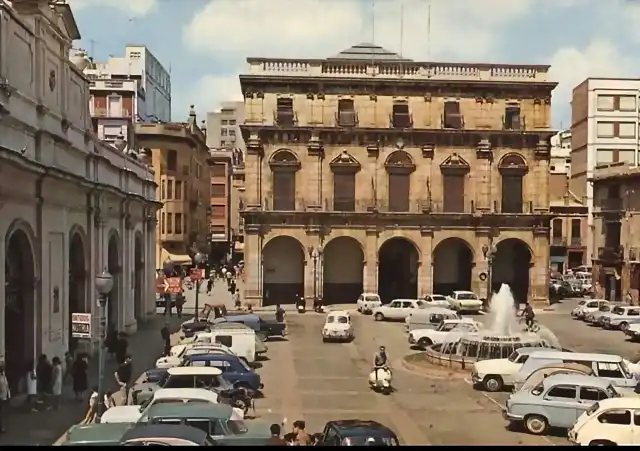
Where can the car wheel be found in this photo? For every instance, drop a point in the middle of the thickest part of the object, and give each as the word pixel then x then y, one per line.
pixel 624 326
pixel 378 317
pixel 536 424
pixel 601 443
pixel 424 343
pixel 493 383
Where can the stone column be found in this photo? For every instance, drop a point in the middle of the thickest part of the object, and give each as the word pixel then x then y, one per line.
pixel 425 271
pixel 370 267
pixel 481 264
pixel 539 269
pixel 253 265
pixel 483 174
pixel 253 173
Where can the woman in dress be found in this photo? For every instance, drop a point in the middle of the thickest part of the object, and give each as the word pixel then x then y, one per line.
pixel 56 382
pixel 79 375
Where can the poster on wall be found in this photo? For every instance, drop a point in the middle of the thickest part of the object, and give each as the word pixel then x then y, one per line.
pixel 81 325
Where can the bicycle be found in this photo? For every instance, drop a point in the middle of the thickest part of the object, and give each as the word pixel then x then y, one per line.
pixel 534 327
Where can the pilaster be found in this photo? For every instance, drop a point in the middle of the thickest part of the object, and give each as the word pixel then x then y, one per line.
pixel 315 152
pixel 253 172
pixel 370 267
pixel 425 272
pixel 253 265
pixel 481 265
pixel 484 157
pixel 539 269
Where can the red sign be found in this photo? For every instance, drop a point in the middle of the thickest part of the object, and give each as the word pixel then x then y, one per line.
pixel 197 274
pixel 160 285
pixel 173 285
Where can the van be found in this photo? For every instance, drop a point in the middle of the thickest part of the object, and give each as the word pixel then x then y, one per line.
pixel 605 366
pixel 241 341
pixel 428 318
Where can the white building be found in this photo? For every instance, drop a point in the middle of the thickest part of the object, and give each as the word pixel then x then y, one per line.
pixel 604 129
pixel 153 101
pixel 70 206
pixel 561 153
pixel 223 126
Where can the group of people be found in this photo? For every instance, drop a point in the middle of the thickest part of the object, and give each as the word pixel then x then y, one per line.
pixel 298 437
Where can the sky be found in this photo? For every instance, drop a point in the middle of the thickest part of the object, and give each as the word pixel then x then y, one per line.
pixel 206 42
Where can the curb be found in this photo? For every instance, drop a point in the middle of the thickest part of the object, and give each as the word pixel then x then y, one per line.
pixel 422 371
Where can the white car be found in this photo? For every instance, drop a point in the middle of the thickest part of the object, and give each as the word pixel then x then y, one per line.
pixel 465 301
pixel 436 300
pixel 609 422
pixel 588 306
pixel 179 352
pixel 337 326
pixel 397 309
pixel 449 329
pixel 495 374
pixel 633 331
pixel 367 302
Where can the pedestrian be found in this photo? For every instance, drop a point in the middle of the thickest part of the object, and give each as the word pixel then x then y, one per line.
pixel 44 373
pixel 529 315
pixel 166 338
pixel 68 366
pixel 629 298
pixel 123 377
pixel 92 409
pixel 79 375
pixel 56 382
pixel 223 271
pixel 111 339
pixel 121 347
pixel 31 383
pixel 235 297
pixel 275 439
pixel 209 285
pixel 180 301
pixel 302 438
pixel 168 304
pixel 232 286
pixel 279 314
pixel 5 395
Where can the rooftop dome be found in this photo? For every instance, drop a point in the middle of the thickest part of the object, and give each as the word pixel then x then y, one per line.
pixel 366 51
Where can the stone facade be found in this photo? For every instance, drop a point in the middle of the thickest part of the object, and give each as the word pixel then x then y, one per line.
pixel 373 174
pixel 70 206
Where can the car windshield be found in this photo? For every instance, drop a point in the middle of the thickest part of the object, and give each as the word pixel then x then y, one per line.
pixel 612 393
pixel 618 311
pixel 583 302
pixel 467 296
pixel 343 320
pixel 438 297
pixel 244 365
pixel 163 380
pixel 604 308
pixel 513 357
pixel 371 298
pixel 593 408
pixel 625 370
pixel 330 319
pixel 237 427
pixel 421 304
pixel 370 441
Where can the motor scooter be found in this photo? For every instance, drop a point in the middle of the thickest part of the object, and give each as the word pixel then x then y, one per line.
pixel 381 382
pixel 300 306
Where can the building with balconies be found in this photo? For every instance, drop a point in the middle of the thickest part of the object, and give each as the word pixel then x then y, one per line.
pixel 371 172
pixel 616 213
pixel 221 233
pixel 70 205
pixel 569 227
pixel 180 158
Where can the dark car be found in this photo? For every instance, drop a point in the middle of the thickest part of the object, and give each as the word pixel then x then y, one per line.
pixel 106 434
pixel 207 316
pixel 264 328
pixel 357 433
pixel 234 369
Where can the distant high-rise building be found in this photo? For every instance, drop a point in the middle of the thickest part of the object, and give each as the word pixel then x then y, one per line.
pixel 223 126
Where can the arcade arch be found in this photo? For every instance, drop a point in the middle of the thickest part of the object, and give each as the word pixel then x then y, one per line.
pixel 283 262
pixel 398 270
pixel 511 265
pixel 452 266
pixel 77 281
pixel 343 263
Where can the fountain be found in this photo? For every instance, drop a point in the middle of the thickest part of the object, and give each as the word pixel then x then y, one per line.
pixel 503 336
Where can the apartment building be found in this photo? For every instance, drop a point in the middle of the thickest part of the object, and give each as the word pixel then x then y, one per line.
pixel 220 229
pixel 181 162
pixel 561 153
pixel 604 130
pixel 237 203
pixel 616 220
pixel 223 126
pixel 151 94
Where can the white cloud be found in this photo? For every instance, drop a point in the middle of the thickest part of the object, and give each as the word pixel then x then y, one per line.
pixel 321 28
pixel 134 7
pixel 571 65
pixel 211 90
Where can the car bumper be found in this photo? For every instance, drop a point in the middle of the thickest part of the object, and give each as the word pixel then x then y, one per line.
pixel 336 335
pixel 476 379
pixel 511 417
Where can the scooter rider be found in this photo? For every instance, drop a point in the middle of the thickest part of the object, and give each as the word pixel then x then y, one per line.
pixel 380 360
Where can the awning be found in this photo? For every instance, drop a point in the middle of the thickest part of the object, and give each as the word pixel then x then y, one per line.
pixel 175 258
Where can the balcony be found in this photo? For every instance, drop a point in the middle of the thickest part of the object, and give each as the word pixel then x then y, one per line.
pixel 400 120
pixel 346 119
pixel 103 112
pixel 514 123
pixel 558 241
pixel 612 205
pixel 514 208
pixel 611 254
pixel 452 121
pixel 285 118
pixel 576 241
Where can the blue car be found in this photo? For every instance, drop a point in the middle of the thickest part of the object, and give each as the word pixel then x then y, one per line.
pixel 234 369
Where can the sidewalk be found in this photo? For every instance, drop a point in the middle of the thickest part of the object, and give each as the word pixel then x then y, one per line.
pixel 44 428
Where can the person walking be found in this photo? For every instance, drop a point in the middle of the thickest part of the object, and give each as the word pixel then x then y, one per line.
pixel 44 374
pixel 31 383
pixel 122 345
pixel 275 439
pixel 5 395
pixel 68 365
pixel 56 382
pixel 235 297
pixel 209 285
pixel 79 376
pixel 529 315
pixel 166 338
pixel 123 376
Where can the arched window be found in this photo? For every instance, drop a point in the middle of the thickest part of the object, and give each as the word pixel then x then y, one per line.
pixel 512 170
pixel 399 168
pixel 344 168
pixel 284 165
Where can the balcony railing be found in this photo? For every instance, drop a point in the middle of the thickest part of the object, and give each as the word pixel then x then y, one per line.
pixel 614 204
pixel 285 118
pixel 400 120
pixel 103 112
pixel 346 119
pixel 513 208
pixel 558 241
pixel 576 241
pixel 518 124
pixel 611 254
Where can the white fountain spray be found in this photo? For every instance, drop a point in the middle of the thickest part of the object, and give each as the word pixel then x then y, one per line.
pixel 504 319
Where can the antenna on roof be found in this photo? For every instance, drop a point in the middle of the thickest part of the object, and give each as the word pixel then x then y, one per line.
pixel 429 29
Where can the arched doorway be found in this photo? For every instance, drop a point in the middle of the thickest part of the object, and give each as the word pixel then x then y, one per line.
pixel 113 258
pixel 283 263
pixel 20 309
pixel 77 281
pixel 397 270
pixel 452 265
pixel 511 266
pixel 342 271
pixel 138 274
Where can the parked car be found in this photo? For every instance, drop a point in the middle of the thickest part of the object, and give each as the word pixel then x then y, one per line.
pixel 337 327
pixel 428 318
pixel 165 435
pixel 179 352
pixel 540 374
pixel 436 300
pixel 234 369
pixel 96 434
pixel 587 306
pixel 397 309
pixel 448 330
pixel 263 327
pixel 465 301
pixel 495 374
pixel 595 317
pixel 609 422
pixel 367 302
pixel 621 317
pixel 357 433
pixel 633 331
pixel 556 402
pixel 219 421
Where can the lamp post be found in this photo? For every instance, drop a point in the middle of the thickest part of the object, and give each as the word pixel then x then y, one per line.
pixel 489 253
pixel 104 284
pixel 199 260
pixel 314 253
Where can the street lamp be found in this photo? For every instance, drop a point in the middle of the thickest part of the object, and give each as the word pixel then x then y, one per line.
pixel 104 285
pixel 199 259
pixel 314 253
pixel 489 252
